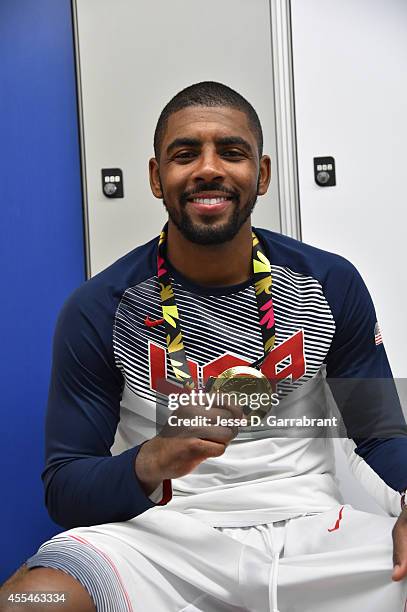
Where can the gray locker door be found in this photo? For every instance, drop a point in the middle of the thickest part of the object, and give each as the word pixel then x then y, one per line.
pixel 133 57
pixel 351 96
pixel 351 100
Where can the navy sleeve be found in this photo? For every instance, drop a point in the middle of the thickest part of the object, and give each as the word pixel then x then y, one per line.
pixel 84 484
pixel 360 378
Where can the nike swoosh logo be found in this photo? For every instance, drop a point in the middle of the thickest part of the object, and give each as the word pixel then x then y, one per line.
pixel 150 323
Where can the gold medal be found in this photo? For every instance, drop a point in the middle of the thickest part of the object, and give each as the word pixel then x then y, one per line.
pixel 245 383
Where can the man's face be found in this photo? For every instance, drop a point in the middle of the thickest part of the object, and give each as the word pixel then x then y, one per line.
pixel 209 173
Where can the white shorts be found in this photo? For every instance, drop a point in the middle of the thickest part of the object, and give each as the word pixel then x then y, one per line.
pixel 165 561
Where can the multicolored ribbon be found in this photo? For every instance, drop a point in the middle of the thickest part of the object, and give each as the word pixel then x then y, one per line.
pixel 262 284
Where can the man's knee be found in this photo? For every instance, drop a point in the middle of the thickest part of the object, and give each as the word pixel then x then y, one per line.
pixel 44 580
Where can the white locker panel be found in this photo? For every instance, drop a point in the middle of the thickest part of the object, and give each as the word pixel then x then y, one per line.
pixel 133 57
pixel 351 98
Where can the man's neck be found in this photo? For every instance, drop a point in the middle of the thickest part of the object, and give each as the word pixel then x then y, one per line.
pixel 220 265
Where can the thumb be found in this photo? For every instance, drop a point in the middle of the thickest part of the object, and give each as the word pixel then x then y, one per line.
pixel 209 448
pixel 399 535
pixel 399 570
pixel 399 554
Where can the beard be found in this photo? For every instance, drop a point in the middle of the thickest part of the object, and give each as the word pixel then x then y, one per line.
pixel 210 233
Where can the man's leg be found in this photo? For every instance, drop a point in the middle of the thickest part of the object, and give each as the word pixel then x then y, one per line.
pixel 162 561
pixel 331 561
pixel 45 580
pixel 339 560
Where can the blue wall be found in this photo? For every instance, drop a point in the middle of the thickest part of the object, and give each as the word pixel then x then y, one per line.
pixel 41 247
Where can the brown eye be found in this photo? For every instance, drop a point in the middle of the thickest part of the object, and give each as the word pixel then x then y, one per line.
pixel 232 154
pixel 184 155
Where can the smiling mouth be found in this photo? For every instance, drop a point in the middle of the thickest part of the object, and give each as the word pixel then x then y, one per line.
pixel 210 207
pixel 210 201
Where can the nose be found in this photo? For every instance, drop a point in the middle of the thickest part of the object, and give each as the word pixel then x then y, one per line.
pixel 209 167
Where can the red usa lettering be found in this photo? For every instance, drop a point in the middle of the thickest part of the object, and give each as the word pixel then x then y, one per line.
pixel 158 370
pixel 291 350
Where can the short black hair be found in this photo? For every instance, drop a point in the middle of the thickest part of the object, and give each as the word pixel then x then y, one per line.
pixel 207 93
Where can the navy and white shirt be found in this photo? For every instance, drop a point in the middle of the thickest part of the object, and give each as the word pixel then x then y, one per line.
pixel 111 373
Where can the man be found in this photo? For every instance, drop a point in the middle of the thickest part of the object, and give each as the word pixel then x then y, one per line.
pixel 209 516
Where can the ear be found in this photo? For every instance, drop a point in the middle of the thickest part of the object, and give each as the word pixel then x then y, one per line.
pixel 264 174
pixel 154 174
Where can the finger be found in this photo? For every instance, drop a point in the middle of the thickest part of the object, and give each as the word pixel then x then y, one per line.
pixel 400 571
pixel 399 556
pixel 400 549
pixel 208 448
pixel 221 434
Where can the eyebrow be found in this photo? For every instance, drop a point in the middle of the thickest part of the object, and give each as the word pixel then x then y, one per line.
pixel 233 141
pixel 183 142
pixel 195 142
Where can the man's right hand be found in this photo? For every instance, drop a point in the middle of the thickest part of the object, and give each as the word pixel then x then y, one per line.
pixel 179 449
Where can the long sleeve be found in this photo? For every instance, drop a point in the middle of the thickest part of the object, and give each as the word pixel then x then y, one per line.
pixel 84 484
pixel 361 382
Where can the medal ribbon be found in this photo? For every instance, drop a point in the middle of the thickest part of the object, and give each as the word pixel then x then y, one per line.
pixel 262 284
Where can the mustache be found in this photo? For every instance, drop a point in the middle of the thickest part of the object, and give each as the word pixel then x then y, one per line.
pixel 210 186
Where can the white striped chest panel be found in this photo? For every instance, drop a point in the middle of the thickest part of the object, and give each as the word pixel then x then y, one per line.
pixel 221 331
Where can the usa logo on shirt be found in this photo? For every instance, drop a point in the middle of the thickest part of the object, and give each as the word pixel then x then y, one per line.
pixel 377 335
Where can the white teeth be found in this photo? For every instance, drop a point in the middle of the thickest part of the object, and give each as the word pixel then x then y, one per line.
pixel 209 200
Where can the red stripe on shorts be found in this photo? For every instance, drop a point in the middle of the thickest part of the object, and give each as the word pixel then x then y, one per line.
pixel 112 565
pixel 336 526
